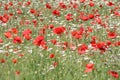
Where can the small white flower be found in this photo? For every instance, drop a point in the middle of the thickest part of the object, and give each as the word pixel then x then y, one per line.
pixel 10 50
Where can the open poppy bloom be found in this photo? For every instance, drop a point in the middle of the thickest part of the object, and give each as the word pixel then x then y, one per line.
pixel 8 34
pixel 17 39
pixel 2 60
pixel 112 35
pixel 89 67
pixel 62 5
pixel 59 30
pixel 56 12
pixel 69 17
pixel 82 49
pixel 52 55
pixel 39 41
pixel 48 6
pixel 102 46
pixel 114 74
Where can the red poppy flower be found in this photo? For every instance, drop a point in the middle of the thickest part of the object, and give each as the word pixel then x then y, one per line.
pixel 17 39
pixel 75 6
pixel 5 18
pixel 56 12
pixel 85 18
pixel 82 49
pixel 93 44
pixel 91 16
pixel 112 35
pixel 62 5
pixel 117 43
pixel 6 7
pixel 39 41
pixel 89 67
pixel 21 54
pixel 55 64
pixel 102 46
pixel 27 37
pixel 65 44
pixel 2 60
pixel 10 3
pixel 14 61
pixel 8 34
pixel 19 11
pixel 89 29
pixel 69 17
pixel 35 22
pixel 108 42
pixel 94 38
pixel 114 74
pixel 48 6
pixel 98 20
pixel 51 26
pixel 52 55
pixel 116 13
pixel 14 30
pixel 28 3
pixel 26 32
pixel 33 11
pixel 59 30
pixel 54 41
pixel 78 34
pixel 91 4
pixel 110 3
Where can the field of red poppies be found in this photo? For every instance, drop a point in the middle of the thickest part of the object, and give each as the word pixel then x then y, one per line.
pixel 59 40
